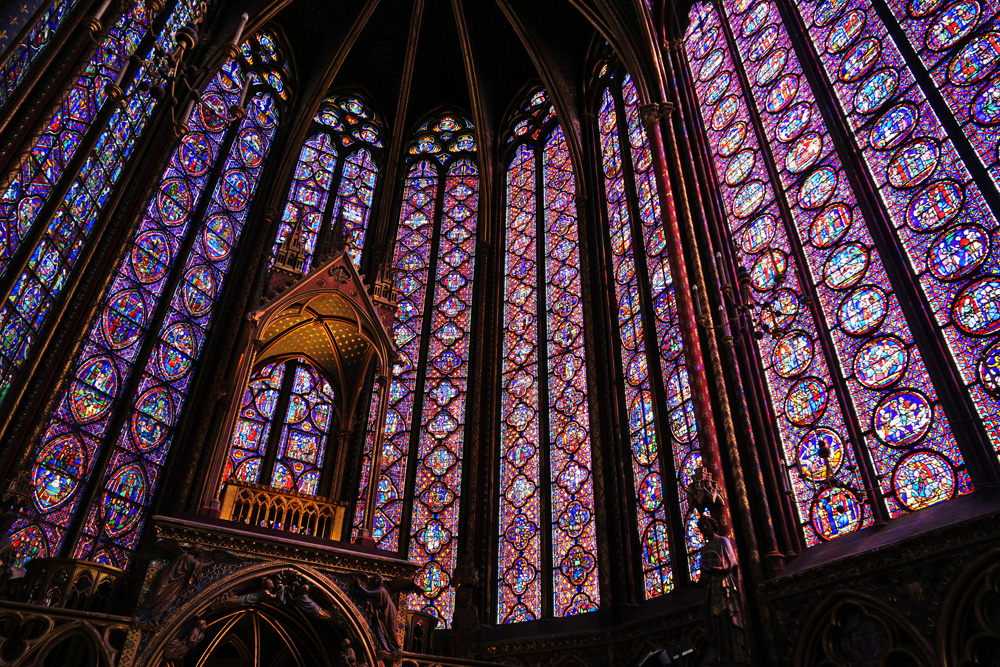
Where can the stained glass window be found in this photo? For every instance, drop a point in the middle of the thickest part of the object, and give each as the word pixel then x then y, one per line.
pixel 935 206
pixel 544 414
pixel 339 156
pixel 440 206
pixel 805 239
pixel 143 346
pixel 15 62
pixel 638 248
pixel 38 274
pixel 298 441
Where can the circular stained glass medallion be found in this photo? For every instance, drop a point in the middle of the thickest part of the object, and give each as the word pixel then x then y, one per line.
pixel 934 206
pixel 250 146
pixel 863 310
pixel 880 362
pixel 845 266
pixel 755 19
pixel 817 189
pixel 650 492
pixel 806 402
pixel 124 501
pixel 989 369
pixel 151 419
pixel 730 142
pixel 986 105
pixel 958 252
pixel 150 255
pixel 218 237
pixel 830 225
pixel 772 67
pixel 769 270
pixel 782 93
pixel 920 8
pixel 794 121
pixel 835 512
pixel 173 201
pixel 976 309
pixel 740 167
pixel 820 454
pixel 212 112
pixel 706 42
pixel 718 86
pixel 763 42
pixel 792 353
pixel 827 10
pixel 757 234
pixel 893 126
pixel 711 65
pixel 198 290
pixel 235 190
pixel 903 418
pixel 913 164
pixel 175 352
pixel 724 113
pixel 859 59
pixel 975 61
pixel 690 466
pixel 27 209
pixel 57 470
pixel 748 199
pixel 804 153
pixel 875 91
pixel 93 392
pixel 923 479
pixel 784 308
pixel 952 25
pixel 123 318
pixel 845 31
pixel 195 154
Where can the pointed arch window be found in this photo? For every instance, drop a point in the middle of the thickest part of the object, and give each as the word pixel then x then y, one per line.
pixel 286 453
pixel 661 425
pixel 546 502
pixel 96 468
pixel 435 266
pixel 36 36
pixel 55 211
pixel 335 176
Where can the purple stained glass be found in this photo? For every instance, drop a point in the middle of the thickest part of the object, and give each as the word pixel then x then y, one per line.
pixel 16 61
pixel 800 380
pixel 303 439
pixel 253 428
pixel 923 182
pixel 111 353
pixel 32 181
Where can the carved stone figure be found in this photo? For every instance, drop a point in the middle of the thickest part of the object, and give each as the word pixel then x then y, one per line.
pixel 179 647
pixel 347 657
pixel 723 607
pixel 176 576
pixel 383 610
pixel 307 604
pixel 464 623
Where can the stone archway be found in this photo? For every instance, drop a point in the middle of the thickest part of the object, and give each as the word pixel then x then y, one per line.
pixel 305 614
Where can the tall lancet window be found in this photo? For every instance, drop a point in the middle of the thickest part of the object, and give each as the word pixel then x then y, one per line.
pixel 546 514
pixel 435 265
pixel 288 453
pixel 657 393
pixel 48 210
pixel 97 465
pixel 335 177
pixel 857 368
pixel 34 34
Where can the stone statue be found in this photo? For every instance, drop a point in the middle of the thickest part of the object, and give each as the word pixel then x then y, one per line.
pixel 307 604
pixel 176 576
pixel 464 623
pixel 383 611
pixel 723 607
pixel 179 647
pixel 347 657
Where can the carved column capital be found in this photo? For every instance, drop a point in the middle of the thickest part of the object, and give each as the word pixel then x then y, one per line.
pixel 654 113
